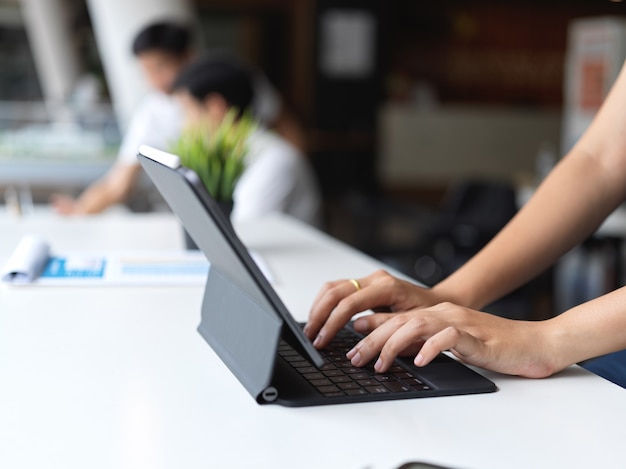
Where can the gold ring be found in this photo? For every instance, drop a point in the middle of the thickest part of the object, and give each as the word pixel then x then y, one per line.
pixel 356 284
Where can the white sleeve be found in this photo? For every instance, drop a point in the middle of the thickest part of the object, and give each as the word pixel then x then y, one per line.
pixel 156 122
pixel 266 185
pixel 134 137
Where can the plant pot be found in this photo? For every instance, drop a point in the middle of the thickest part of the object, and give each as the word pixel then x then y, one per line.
pixel 225 207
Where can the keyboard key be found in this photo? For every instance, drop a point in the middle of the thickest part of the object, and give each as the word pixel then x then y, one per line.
pixel 380 389
pixel 341 379
pixel 360 375
pixel 345 364
pixel 300 364
pixel 308 369
pixel 395 386
pixel 350 385
pixel 337 359
pixel 367 382
pixel 419 387
pixel 328 389
pixel 384 378
pixel 413 382
pixel 334 394
pixel 334 372
pixel 321 382
pixel 293 358
pixel 356 392
pixel 312 376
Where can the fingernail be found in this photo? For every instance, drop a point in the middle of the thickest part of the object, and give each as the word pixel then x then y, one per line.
pixel 351 353
pixel 356 360
pixel 378 365
pixel 305 329
pixel 318 340
pixel 419 360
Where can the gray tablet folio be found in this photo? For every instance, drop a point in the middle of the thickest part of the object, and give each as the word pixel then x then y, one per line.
pixel 251 330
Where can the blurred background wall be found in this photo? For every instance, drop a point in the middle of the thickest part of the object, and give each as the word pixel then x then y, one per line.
pixel 379 86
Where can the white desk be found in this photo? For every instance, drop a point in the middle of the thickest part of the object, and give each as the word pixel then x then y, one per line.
pixel 119 378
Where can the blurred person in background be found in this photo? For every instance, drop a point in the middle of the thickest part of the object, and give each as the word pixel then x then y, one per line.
pixel 162 50
pixel 277 177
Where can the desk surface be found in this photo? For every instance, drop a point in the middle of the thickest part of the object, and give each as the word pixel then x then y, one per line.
pixel 118 377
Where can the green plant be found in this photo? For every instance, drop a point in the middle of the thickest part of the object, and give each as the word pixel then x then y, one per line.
pixel 217 154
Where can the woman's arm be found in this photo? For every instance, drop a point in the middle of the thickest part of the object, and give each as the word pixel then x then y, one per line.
pixel 586 186
pixel 575 198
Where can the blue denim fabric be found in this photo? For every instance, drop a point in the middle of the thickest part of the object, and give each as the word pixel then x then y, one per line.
pixel 611 367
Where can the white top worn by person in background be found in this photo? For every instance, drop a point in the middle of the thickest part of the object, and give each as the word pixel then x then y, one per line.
pixel 159 119
pixel 278 178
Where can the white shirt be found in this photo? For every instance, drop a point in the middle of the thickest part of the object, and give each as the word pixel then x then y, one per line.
pixel 157 122
pixel 278 178
pixel 159 119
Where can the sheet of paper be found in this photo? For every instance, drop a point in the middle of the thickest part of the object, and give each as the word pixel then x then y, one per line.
pixel 32 264
pixel 125 268
pixel 27 260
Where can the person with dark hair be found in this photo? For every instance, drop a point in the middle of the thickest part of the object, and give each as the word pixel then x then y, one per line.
pixel 221 75
pixel 162 50
pixel 278 177
pixel 164 36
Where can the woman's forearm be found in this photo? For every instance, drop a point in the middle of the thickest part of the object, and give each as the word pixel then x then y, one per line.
pixel 584 188
pixel 561 214
pixel 588 330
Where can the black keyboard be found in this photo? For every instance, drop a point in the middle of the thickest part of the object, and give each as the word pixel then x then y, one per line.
pixel 338 377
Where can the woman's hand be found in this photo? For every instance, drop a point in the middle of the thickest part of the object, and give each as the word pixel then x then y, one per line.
pixel 340 300
pixel 481 339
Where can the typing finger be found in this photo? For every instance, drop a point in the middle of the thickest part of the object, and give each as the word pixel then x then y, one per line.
pixel 328 300
pixel 366 324
pixel 463 345
pixel 413 334
pixel 402 333
pixel 325 301
pixel 370 346
pixel 357 302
